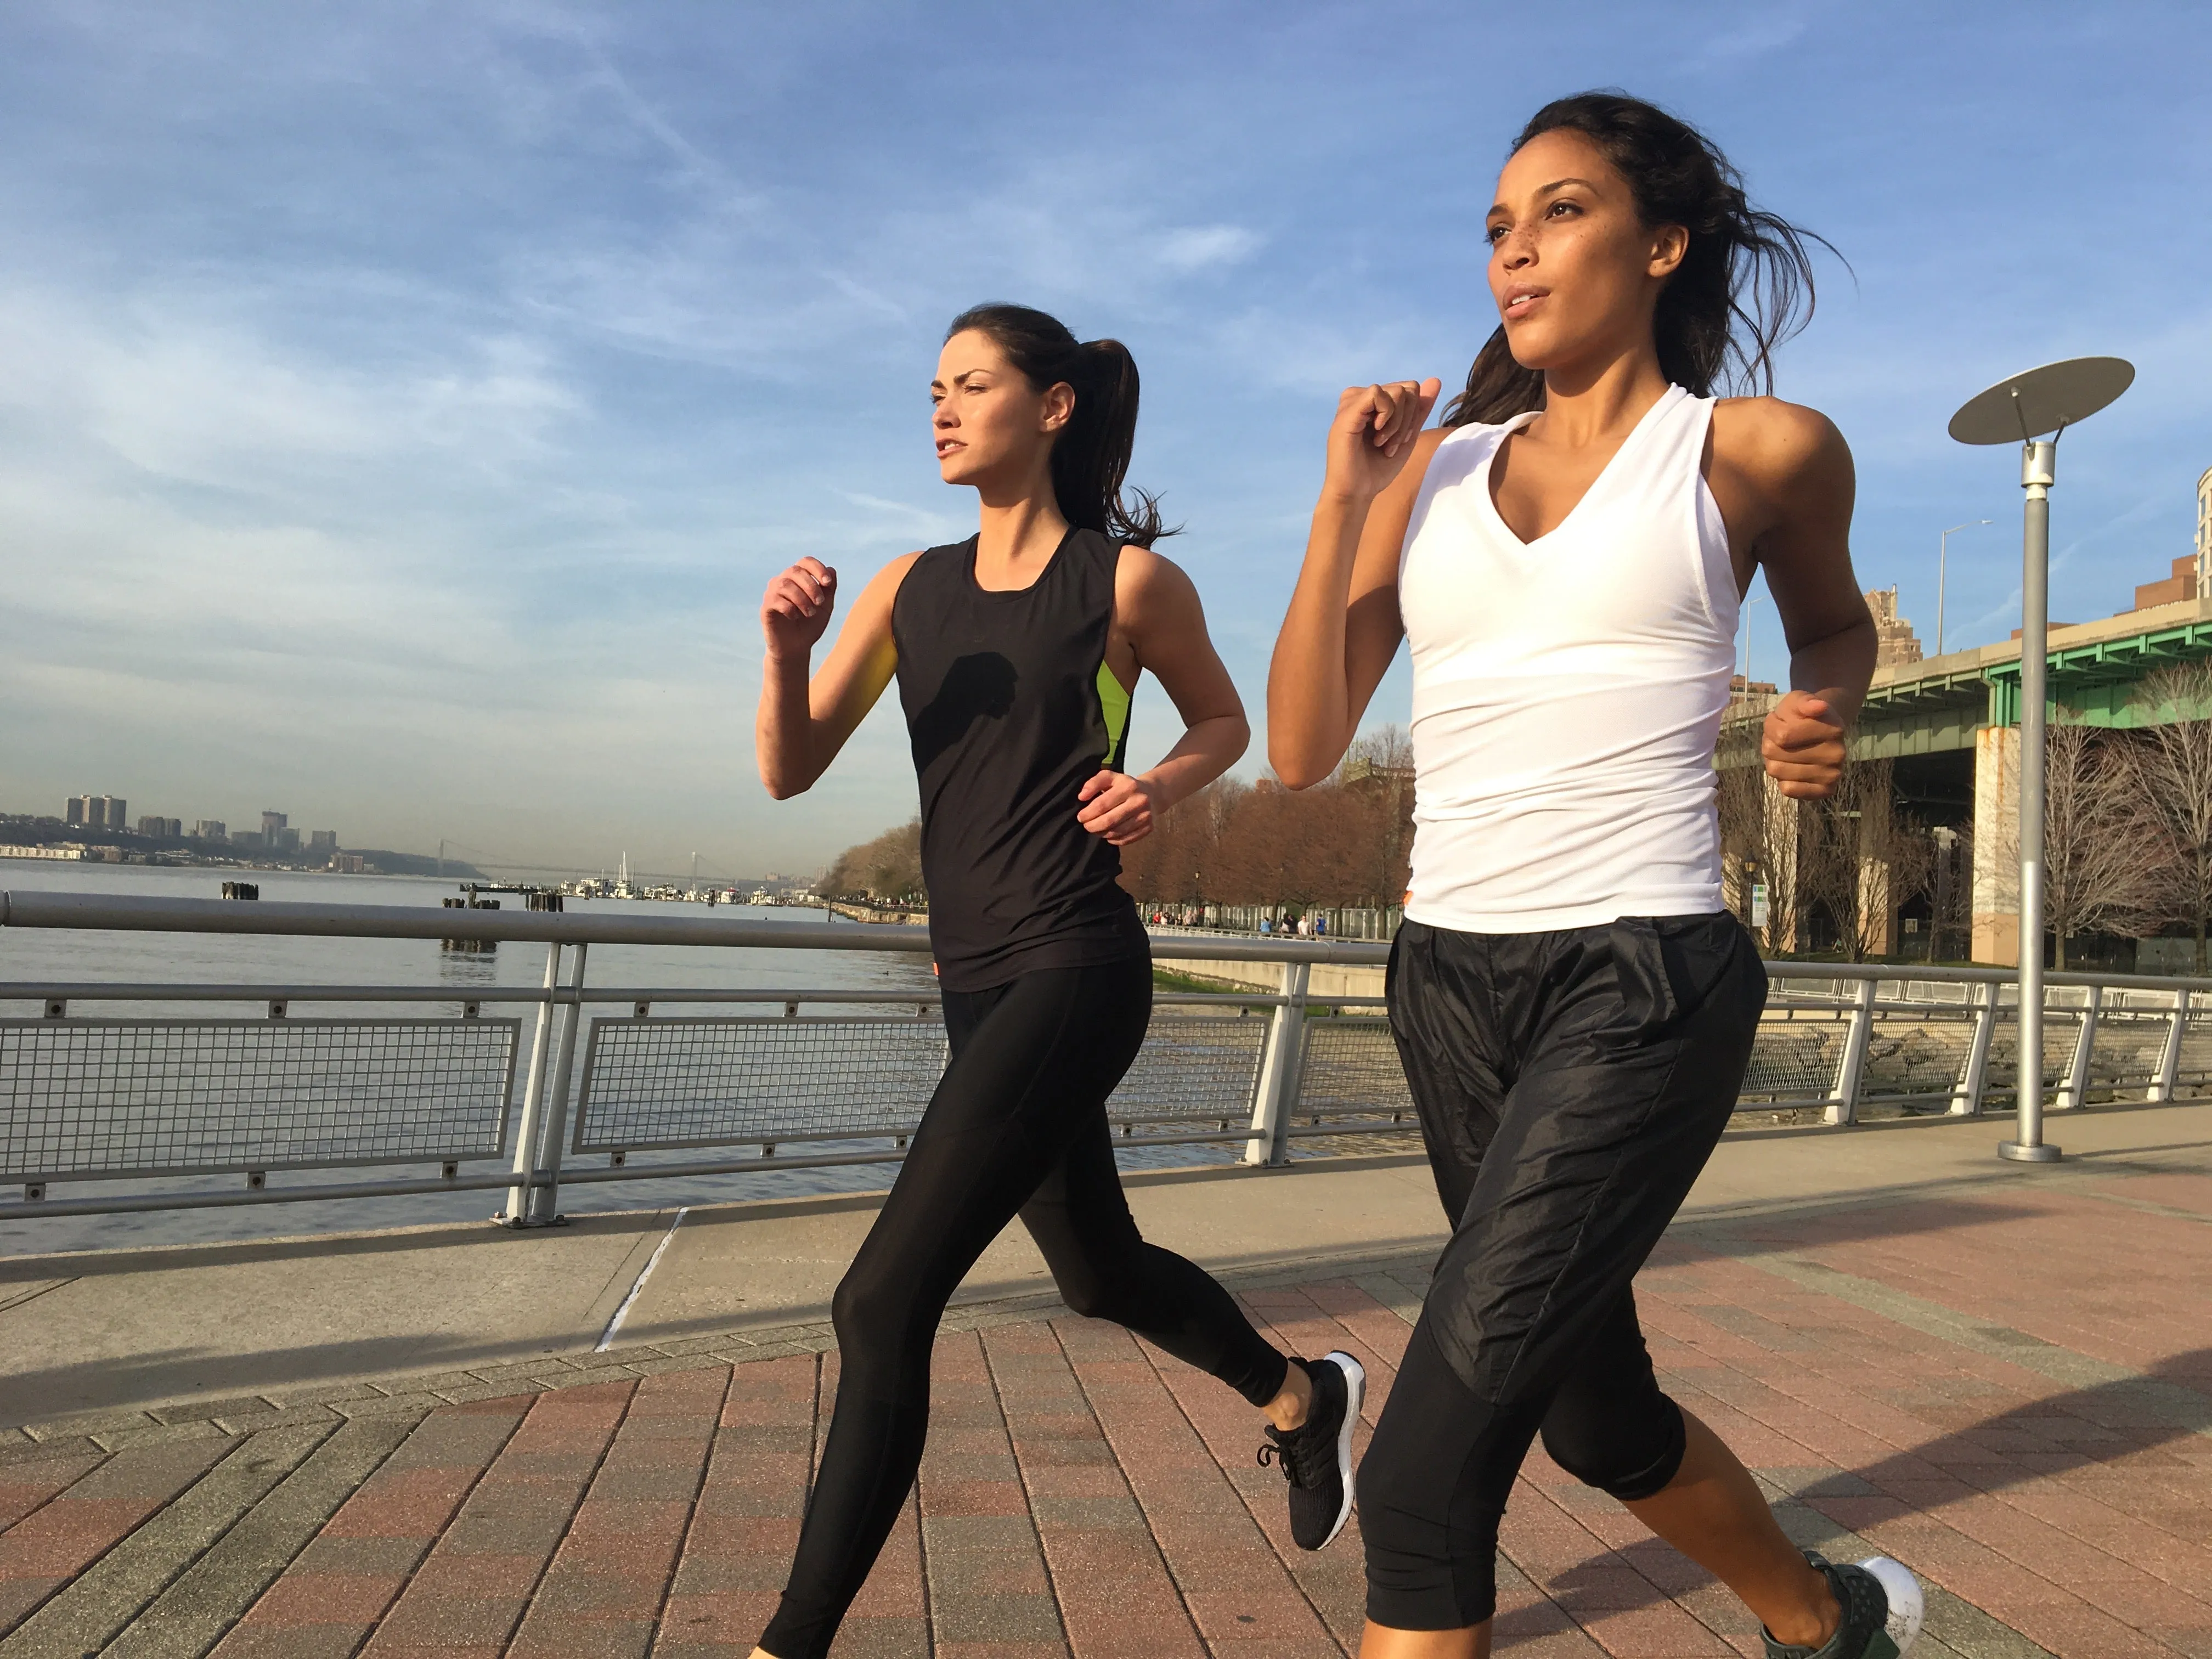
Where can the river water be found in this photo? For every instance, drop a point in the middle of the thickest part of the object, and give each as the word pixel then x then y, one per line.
pixel 40 955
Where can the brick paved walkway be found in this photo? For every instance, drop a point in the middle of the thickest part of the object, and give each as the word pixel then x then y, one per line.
pixel 2011 1392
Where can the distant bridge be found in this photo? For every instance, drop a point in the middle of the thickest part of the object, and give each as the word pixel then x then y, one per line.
pixel 1951 725
pixel 1938 704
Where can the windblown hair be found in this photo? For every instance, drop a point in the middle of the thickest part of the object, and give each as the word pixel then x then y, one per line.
pixel 1091 458
pixel 1744 284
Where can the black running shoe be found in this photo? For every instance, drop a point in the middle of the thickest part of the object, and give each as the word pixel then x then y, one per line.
pixel 1315 1457
pixel 1883 1604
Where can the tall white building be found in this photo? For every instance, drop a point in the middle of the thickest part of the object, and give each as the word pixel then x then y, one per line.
pixel 2204 535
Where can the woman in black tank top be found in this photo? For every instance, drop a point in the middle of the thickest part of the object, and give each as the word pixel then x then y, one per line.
pixel 1016 652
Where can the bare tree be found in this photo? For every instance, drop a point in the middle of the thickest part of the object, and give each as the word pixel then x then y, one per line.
pixel 1858 860
pixel 2172 763
pixel 2095 874
pixel 1908 864
pixel 1380 767
pixel 1951 889
pixel 1760 829
pixel 1740 798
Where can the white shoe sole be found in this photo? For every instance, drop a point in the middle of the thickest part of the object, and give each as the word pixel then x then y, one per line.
pixel 1908 1603
pixel 1355 1393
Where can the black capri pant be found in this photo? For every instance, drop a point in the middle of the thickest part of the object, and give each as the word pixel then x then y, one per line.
pixel 1571 1086
pixel 1016 1128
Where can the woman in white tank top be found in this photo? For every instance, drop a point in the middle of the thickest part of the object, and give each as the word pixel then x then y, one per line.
pixel 1575 1008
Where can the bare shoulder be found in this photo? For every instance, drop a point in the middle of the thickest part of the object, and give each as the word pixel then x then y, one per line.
pixel 1408 483
pixel 883 587
pixel 1145 573
pixel 1779 446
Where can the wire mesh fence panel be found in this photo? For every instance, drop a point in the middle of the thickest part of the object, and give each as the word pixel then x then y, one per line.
pixel 1195 1069
pixel 2062 1029
pixel 2125 1061
pixel 2192 1074
pixel 1915 1056
pixel 181 1097
pixel 706 1082
pixel 1794 1059
pixel 1353 1071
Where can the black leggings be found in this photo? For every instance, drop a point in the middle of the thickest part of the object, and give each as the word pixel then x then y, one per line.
pixel 1017 1127
pixel 1571 1086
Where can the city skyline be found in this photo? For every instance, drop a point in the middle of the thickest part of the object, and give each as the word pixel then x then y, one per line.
pixel 410 406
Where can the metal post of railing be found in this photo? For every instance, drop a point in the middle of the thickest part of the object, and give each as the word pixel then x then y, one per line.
pixel 1277 1093
pixel 527 1132
pixel 1851 1067
pixel 1966 1098
pixel 2169 1059
pixel 2074 1093
pixel 544 1209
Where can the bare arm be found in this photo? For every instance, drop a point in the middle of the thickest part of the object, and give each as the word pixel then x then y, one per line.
pixel 802 724
pixel 1343 626
pixel 1158 619
pixel 1796 466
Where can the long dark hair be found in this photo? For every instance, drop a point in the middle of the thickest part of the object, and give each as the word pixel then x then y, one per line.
pixel 1744 284
pixel 1091 458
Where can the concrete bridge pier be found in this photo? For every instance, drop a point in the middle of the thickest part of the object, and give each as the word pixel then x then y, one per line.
pixel 1997 841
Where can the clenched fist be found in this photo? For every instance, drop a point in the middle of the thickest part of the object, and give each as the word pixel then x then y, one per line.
pixel 796 608
pixel 1121 807
pixel 1803 745
pixel 1373 433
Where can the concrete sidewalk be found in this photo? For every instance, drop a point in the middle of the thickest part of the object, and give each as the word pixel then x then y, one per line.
pixel 2001 1374
pixel 120 1332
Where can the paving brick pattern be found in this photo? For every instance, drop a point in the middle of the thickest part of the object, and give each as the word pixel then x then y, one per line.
pixel 2011 1393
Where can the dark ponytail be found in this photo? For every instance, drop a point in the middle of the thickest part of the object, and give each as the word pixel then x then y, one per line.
pixel 1744 283
pixel 1091 458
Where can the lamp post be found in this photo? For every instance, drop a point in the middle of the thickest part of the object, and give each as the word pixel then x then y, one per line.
pixel 1749 600
pixel 1942 558
pixel 2023 409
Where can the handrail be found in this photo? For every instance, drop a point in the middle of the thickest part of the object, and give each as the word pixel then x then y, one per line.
pixel 1793 968
pixel 102 911
pixel 101 991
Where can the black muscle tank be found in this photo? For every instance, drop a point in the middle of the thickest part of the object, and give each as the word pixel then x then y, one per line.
pixel 1012 709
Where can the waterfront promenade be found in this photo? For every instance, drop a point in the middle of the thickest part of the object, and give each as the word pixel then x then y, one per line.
pixel 406 1442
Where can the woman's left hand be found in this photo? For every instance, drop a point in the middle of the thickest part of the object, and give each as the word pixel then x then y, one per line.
pixel 1121 808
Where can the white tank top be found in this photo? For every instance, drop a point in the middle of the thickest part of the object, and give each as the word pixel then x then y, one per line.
pixel 1568 691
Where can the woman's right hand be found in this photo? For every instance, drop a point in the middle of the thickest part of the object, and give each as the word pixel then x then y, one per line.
pixel 796 608
pixel 1372 435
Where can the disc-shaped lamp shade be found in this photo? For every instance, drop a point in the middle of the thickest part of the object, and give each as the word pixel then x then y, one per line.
pixel 2041 401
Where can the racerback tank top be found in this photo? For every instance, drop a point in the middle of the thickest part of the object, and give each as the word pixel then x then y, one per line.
pixel 1568 691
pixel 1012 710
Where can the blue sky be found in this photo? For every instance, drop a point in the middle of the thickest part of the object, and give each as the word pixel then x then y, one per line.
pixel 402 406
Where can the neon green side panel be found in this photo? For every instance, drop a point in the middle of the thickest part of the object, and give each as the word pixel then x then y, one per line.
pixel 1114 704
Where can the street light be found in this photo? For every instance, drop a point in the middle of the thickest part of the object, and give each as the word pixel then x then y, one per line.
pixel 1942 556
pixel 1749 600
pixel 2047 399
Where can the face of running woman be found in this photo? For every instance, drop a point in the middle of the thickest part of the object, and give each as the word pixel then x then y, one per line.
pixel 1574 269
pixel 994 430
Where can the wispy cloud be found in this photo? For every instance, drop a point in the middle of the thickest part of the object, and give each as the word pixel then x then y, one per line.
pixel 401 409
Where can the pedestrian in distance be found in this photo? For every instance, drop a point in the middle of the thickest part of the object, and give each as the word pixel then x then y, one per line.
pixel 1565 556
pixel 1015 653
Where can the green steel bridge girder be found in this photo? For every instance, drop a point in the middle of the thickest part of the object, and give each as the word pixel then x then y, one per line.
pixel 2090 684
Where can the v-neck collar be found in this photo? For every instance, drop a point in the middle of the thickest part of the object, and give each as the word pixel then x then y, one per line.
pixel 1666 400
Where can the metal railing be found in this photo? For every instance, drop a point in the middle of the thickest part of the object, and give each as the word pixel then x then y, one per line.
pixel 1944 1041
pixel 624 1082
pixel 612 1079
